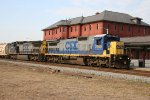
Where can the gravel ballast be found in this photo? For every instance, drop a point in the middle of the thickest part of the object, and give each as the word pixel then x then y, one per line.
pixel 85 71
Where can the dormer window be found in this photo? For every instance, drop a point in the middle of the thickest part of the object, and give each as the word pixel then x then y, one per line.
pixel 137 20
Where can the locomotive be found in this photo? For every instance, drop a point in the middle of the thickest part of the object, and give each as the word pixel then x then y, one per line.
pixel 100 50
pixel 12 50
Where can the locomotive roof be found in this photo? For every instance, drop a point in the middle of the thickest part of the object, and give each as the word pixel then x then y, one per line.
pixel 21 42
pixel 100 35
pixel 3 43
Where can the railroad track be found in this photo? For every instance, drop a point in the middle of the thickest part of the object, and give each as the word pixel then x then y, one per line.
pixel 113 70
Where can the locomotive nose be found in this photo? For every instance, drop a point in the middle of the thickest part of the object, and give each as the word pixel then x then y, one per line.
pixel 117 48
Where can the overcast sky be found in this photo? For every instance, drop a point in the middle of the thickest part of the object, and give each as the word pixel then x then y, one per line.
pixel 24 19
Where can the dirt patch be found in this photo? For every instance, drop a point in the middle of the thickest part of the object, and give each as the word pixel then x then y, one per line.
pixel 29 83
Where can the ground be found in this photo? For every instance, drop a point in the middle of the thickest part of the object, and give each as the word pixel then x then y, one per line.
pixel 19 82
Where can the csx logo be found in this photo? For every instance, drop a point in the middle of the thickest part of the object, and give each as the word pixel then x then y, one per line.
pixel 120 46
pixel 71 45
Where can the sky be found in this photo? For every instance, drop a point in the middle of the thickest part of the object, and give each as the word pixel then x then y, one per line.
pixel 23 20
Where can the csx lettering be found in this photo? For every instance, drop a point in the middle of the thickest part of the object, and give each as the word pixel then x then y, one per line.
pixel 71 45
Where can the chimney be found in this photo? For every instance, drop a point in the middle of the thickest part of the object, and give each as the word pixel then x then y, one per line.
pixel 97 13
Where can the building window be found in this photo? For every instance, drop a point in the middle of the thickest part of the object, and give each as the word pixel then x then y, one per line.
pixel 97 26
pixel 64 29
pixel 121 27
pixel 49 32
pixel 71 29
pixel 56 31
pixel 85 28
pixel 90 27
pixel 139 29
pixel 129 28
pixel 45 33
pixel 60 29
pixel 75 28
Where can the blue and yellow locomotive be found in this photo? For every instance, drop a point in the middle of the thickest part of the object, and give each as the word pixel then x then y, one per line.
pixel 100 50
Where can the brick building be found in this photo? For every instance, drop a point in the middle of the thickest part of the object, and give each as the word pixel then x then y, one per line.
pixel 119 24
pixel 124 25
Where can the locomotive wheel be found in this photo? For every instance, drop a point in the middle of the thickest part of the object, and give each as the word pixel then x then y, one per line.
pixel 85 61
pixel 29 57
pixel 98 63
pixel 89 62
pixel 56 59
pixel 60 60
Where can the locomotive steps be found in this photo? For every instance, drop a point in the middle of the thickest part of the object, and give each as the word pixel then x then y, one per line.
pixel 85 71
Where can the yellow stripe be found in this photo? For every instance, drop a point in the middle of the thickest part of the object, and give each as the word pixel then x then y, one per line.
pixel 62 54
pixel 77 55
pixel 99 55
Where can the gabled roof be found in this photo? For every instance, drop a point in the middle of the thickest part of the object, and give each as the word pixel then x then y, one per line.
pixel 59 23
pixel 94 18
pixel 103 16
pixel 113 17
pixel 77 20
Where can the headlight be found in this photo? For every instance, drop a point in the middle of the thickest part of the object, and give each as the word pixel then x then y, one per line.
pixel 120 58
pixel 128 58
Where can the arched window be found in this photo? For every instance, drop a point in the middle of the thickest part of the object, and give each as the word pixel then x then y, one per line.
pixel 97 26
pixel 129 28
pixel 75 28
pixel 60 29
pixel 84 28
pixel 71 29
pixel 90 27
pixel 121 27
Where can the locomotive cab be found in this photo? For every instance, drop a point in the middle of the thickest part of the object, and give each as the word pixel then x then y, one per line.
pixel 111 47
pixel 115 47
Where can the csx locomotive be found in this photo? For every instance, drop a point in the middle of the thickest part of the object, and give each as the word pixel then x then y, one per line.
pixel 100 50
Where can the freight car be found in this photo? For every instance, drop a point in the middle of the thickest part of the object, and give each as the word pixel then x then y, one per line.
pixel 100 50
pixel 3 50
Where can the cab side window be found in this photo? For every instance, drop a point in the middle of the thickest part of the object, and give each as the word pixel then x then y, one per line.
pixel 98 42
